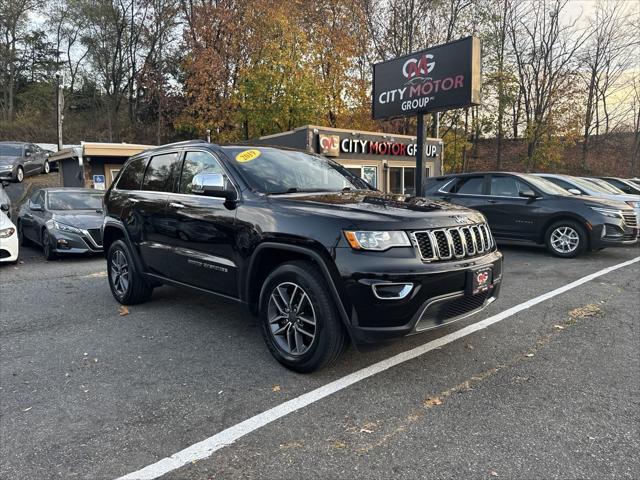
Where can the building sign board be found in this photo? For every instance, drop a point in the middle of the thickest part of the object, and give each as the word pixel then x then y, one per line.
pixel 329 145
pixel 439 78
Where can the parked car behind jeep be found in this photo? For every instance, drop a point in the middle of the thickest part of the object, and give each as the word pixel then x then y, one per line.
pixel 19 160
pixel 305 244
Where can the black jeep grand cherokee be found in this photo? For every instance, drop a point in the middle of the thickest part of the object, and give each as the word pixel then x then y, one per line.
pixel 309 247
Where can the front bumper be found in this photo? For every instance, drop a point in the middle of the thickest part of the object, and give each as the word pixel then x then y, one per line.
pixel 615 234
pixel 9 174
pixel 73 243
pixel 9 248
pixel 438 295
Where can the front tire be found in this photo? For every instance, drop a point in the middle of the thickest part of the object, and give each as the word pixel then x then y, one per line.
pixel 127 284
pixel 22 240
pixel 47 248
pixel 20 174
pixel 566 239
pixel 46 168
pixel 299 320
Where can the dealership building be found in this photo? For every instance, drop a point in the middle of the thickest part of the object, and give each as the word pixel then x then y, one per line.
pixel 386 161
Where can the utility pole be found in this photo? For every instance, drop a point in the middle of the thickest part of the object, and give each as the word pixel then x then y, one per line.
pixel 436 134
pixel 59 107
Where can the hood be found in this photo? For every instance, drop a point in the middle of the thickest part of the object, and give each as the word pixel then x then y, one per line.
pixel 83 219
pixel 8 160
pixel 373 209
pixel 603 202
pixel 5 222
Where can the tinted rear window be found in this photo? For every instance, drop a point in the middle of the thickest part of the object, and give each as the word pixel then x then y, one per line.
pixel 11 150
pixel 75 200
pixel 131 177
pixel 161 173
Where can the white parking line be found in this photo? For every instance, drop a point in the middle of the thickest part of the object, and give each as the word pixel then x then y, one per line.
pixel 207 447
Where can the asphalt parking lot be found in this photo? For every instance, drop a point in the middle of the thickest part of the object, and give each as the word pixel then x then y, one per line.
pixel 552 391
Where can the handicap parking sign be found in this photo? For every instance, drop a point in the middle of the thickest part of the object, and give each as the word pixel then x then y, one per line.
pixel 98 182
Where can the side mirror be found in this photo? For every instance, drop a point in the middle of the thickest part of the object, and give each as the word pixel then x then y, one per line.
pixel 528 194
pixel 574 191
pixel 36 207
pixel 47 155
pixel 4 207
pixel 214 185
pixel 27 153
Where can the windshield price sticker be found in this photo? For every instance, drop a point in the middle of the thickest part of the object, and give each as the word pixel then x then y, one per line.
pixel 247 155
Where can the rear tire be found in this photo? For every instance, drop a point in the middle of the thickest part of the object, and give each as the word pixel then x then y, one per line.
pixel 566 239
pixel 296 304
pixel 46 168
pixel 128 285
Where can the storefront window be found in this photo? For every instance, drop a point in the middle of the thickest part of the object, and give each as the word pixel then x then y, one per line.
pixel 370 175
pixel 395 180
pixel 409 181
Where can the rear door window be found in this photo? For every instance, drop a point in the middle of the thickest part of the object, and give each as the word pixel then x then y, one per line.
pixel 468 186
pixel 561 183
pixel 161 173
pixel 131 176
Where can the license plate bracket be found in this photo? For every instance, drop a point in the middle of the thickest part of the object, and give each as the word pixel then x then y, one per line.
pixel 479 280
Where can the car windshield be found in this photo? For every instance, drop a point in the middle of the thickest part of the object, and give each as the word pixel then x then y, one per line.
pixel 274 171
pixel 544 185
pixel 605 185
pixel 75 201
pixel 10 150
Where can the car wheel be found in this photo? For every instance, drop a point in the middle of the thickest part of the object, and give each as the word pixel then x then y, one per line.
pixel 47 248
pixel 566 239
pixel 299 321
pixel 46 168
pixel 22 240
pixel 128 286
pixel 20 175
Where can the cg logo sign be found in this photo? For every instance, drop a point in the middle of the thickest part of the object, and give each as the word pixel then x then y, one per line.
pixel 418 68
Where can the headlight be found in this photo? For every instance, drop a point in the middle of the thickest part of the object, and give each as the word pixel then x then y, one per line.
pixel 363 240
pixel 6 167
pixel 608 212
pixel 634 204
pixel 7 232
pixel 66 228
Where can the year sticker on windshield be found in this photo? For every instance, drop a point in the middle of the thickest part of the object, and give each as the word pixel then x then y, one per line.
pixel 247 155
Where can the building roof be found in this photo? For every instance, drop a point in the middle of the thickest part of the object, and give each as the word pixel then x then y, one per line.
pixel 99 149
pixel 343 130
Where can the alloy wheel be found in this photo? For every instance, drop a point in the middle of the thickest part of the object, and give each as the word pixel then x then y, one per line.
pixel 119 273
pixel 47 167
pixel 20 175
pixel 292 318
pixel 565 239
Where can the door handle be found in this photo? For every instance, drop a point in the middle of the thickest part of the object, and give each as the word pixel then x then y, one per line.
pixel 492 201
pixel 134 200
pixel 28 215
pixel 176 205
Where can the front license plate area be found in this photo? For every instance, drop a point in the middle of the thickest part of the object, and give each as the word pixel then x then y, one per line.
pixel 479 280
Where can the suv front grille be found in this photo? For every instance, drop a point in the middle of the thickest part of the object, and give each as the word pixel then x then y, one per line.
pixel 630 219
pixel 453 242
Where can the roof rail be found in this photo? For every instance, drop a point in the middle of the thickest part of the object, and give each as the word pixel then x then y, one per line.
pixel 185 142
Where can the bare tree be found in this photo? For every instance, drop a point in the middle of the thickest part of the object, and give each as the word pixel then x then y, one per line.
pixel 545 49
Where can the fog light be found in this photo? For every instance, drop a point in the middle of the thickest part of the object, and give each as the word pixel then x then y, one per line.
pixel 391 291
pixel 62 243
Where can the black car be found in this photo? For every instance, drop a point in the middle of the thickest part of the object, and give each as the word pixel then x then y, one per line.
pixel 304 243
pixel 527 208
pixel 62 220
pixel 20 159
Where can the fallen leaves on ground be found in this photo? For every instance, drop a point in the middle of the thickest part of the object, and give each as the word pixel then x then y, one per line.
pixel 432 402
pixel 558 327
pixel 276 388
pixel 493 473
pixel 590 310
pixel 123 310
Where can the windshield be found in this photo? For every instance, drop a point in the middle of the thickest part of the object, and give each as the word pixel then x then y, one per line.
pixel 544 185
pixel 605 185
pixel 587 185
pixel 273 171
pixel 75 201
pixel 10 150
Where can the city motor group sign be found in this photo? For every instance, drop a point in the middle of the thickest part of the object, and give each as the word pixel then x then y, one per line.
pixel 332 145
pixel 440 78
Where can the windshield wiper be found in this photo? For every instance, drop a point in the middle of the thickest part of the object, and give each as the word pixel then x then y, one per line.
pixel 290 190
